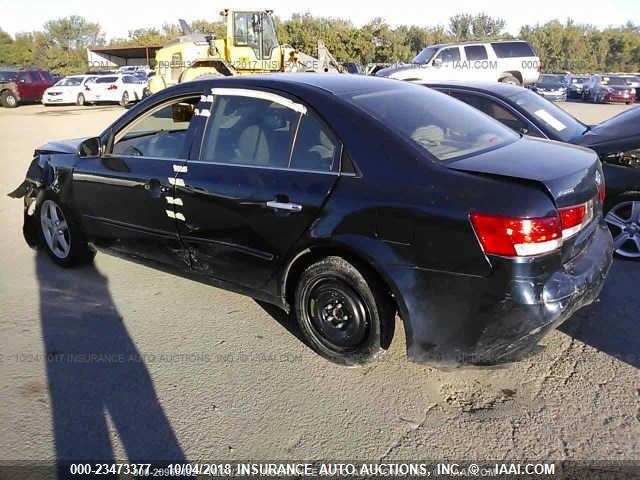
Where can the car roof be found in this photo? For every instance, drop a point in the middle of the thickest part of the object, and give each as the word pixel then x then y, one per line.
pixel 474 42
pixel 331 83
pixel 498 88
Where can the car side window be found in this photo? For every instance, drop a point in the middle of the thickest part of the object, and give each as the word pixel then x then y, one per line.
pixel 249 131
pixel 495 110
pixel 24 77
pixel 475 52
pixel 449 55
pixel 161 133
pixel 315 147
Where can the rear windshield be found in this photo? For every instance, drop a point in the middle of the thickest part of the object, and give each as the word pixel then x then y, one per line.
pixel 553 119
pixel 106 79
pixel 441 125
pixel 70 82
pixel 513 49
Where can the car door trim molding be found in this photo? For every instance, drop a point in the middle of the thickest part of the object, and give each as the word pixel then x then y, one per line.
pixel 251 251
pixel 260 94
pixel 130 226
pixel 88 177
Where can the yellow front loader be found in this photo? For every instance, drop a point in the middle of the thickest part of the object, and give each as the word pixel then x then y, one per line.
pixel 249 46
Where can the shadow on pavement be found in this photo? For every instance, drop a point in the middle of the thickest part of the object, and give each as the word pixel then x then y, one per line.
pixel 95 372
pixel 611 325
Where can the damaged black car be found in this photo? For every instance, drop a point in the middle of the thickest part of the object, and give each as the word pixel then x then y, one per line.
pixel 617 142
pixel 343 200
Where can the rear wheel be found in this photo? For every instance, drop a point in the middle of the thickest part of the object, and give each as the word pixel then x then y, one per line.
pixel 80 100
pixel 124 101
pixel 346 317
pixel 623 219
pixel 60 235
pixel 8 99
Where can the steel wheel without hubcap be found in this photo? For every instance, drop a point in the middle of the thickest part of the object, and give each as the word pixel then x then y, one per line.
pixel 55 229
pixel 337 313
pixel 624 222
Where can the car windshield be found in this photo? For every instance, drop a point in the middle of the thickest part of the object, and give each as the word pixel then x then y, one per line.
pixel 7 76
pixel 70 82
pixel 425 55
pixel 441 125
pixel 618 82
pixel 550 80
pixel 552 119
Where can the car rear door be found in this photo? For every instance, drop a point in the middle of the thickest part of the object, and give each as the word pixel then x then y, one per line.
pixel 27 86
pixel 250 193
pixel 125 196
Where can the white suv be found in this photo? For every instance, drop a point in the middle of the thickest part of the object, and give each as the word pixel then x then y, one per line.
pixel 508 61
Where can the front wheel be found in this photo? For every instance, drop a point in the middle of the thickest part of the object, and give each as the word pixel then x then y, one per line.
pixel 124 101
pixel 623 219
pixel 60 235
pixel 346 317
pixel 80 100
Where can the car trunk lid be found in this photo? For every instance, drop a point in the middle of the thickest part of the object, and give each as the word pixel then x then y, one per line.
pixel 570 175
pixel 618 134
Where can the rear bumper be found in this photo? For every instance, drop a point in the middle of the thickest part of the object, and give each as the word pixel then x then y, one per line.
pixel 452 320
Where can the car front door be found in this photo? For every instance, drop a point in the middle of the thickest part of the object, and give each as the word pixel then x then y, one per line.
pixel 125 196
pixel 251 192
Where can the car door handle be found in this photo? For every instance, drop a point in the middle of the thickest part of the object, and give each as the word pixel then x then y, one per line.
pixel 289 207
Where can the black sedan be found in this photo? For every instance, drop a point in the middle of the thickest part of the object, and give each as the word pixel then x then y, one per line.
pixel 342 199
pixel 617 142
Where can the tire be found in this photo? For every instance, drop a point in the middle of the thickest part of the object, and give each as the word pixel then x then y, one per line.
pixel 628 103
pixel 345 314
pixel 8 99
pixel 124 101
pixel 510 79
pixel 80 100
pixel 67 247
pixel 622 215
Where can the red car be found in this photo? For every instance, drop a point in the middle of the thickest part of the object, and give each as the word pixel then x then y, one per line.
pixel 28 85
pixel 605 89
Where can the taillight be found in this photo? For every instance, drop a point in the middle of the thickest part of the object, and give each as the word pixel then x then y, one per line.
pixel 112 87
pixel 510 236
pixel 574 218
pixel 602 192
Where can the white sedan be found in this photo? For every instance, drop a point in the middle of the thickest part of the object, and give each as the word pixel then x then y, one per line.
pixel 115 88
pixel 67 91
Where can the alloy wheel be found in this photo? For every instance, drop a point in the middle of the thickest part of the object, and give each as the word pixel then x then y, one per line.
pixel 624 222
pixel 55 229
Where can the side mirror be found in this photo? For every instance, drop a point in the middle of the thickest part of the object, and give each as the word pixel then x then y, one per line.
pixel 91 147
pixel 437 62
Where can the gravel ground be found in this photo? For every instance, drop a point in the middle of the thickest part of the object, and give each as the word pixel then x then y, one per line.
pixel 186 371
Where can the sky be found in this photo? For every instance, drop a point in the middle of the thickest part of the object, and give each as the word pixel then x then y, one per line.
pixel 117 17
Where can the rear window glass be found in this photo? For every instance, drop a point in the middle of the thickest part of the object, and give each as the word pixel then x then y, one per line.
pixel 513 49
pixel 475 52
pixel 106 79
pixel 441 125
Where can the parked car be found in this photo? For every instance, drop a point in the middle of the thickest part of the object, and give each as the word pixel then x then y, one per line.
pixel 122 89
pixel 574 86
pixel 341 198
pixel 69 90
pixel 28 85
pixel 617 142
pixel 353 68
pixel 604 89
pixel 510 61
pixel 551 86
pixel 633 81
